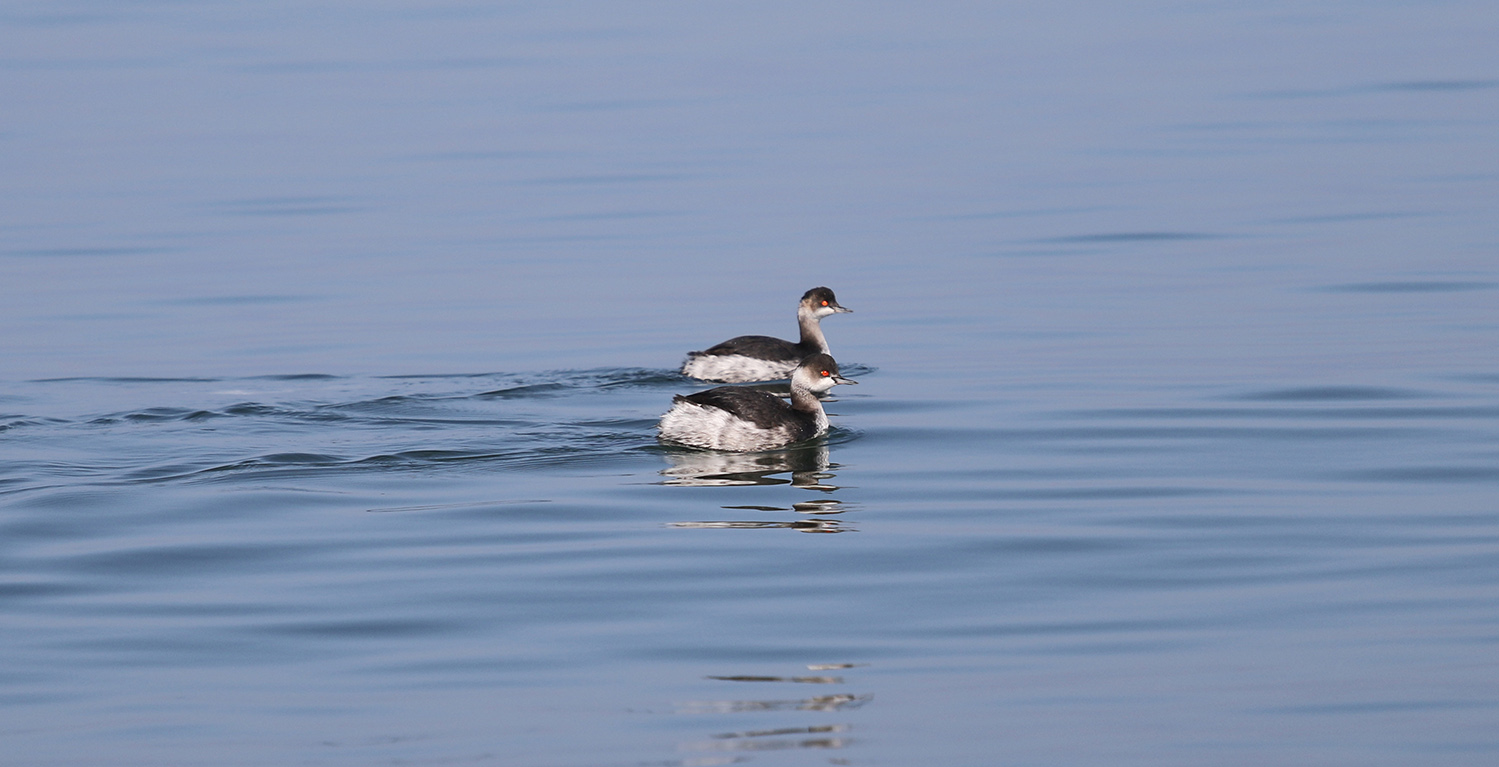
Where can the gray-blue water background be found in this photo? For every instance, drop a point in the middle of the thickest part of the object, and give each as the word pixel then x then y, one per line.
pixel 332 337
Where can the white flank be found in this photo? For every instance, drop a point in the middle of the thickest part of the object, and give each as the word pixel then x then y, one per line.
pixel 736 368
pixel 689 423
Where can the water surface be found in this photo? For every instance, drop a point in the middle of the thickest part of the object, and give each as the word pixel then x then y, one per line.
pixel 333 341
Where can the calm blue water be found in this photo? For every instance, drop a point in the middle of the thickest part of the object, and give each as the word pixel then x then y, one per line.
pixel 332 340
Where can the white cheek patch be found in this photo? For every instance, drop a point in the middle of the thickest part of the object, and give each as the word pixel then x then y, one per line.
pixel 736 368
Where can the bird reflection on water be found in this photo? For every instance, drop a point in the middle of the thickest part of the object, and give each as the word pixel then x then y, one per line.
pixel 815 736
pixel 808 467
pixel 804 525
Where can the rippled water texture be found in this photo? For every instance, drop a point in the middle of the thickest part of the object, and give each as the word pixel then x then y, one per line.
pixel 333 338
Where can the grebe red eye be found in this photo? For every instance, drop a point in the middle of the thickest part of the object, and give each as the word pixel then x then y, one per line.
pixel 824 374
pixel 824 303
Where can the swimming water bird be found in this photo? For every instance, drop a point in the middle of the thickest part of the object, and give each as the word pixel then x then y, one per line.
pixel 762 358
pixel 741 420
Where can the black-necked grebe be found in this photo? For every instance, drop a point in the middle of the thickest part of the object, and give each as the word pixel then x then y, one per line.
pixel 742 420
pixel 762 358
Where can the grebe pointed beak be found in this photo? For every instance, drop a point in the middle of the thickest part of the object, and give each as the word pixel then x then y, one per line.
pixel 838 379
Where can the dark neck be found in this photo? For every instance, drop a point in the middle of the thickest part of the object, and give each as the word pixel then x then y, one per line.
pixel 803 399
pixel 812 337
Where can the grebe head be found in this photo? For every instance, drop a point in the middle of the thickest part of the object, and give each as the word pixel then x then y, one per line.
pixel 820 302
pixel 819 373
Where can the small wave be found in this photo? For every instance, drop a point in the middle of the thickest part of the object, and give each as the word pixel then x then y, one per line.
pixel 645 378
pixel 1411 286
pixel 544 451
pixel 439 376
pixel 154 414
pixel 163 472
pixel 1425 474
pixel 1408 86
pixel 1350 414
pixel 288 206
pixel 87 252
pixel 1437 85
pixel 525 391
pixel 10 422
pixel 617 423
pixel 372 629
pixel 1123 237
pixel 232 300
pixel 122 379
pixel 300 459
pixel 242 410
pixel 276 463
pixel 1332 394
pixel 553 383
pixel 839 435
pixel 313 413
pixel 1341 218
pixel 331 425
pixel 452 506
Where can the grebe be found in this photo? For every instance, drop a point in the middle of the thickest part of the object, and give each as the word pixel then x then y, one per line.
pixel 762 358
pixel 742 420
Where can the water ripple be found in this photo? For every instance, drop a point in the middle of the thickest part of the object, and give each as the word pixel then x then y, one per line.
pixel 427 422
pixel 1333 393
pixel 1412 286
